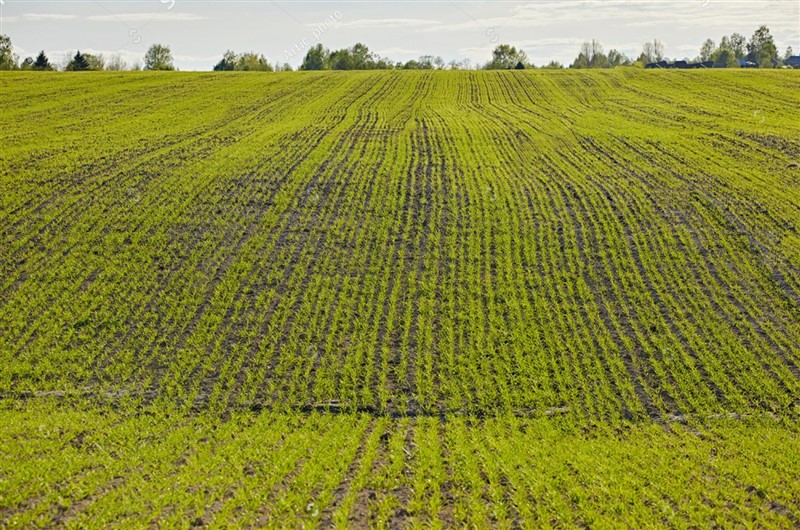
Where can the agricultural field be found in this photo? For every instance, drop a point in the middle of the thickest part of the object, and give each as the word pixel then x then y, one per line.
pixel 400 299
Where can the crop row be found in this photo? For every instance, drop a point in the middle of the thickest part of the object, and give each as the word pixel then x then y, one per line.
pixel 602 246
pixel 82 467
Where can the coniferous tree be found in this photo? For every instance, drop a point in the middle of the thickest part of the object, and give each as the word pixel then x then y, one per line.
pixel 79 63
pixel 42 62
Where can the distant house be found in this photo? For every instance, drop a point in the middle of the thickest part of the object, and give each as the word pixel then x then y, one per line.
pixel 681 65
pixel 793 61
pixel 744 63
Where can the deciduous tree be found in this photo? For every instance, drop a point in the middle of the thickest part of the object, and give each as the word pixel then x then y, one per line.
pixel 158 57
pixel 505 57
pixel 707 50
pixel 761 49
pixel 652 52
pixel 317 58
pixel 227 63
pixel 8 61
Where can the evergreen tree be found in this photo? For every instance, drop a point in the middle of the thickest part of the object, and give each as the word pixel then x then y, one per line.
pixel 79 63
pixel 42 62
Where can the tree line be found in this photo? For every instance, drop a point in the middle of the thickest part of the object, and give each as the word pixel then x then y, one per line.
pixel 158 57
pixel 732 51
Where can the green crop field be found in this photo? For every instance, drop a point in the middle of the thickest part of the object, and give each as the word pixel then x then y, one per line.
pixel 400 299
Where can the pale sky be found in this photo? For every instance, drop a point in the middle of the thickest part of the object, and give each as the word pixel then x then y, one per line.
pixel 199 31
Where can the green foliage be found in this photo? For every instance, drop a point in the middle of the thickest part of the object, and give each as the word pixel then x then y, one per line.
pixel 42 62
pixel 227 63
pixel 738 45
pixel 83 62
pixel 8 61
pixel 761 49
pixel 592 56
pixel 247 61
pixel 79 63
pixel 250 61
pixel 425 62
pixel 95 62
pixel 707 50
pixel 506 57
pixel 553 65
pixel 727 55
pixel 317 58
pixel 726 58
pixel 722 56
pixel 617 58
pixel 158 57
pixel 357 57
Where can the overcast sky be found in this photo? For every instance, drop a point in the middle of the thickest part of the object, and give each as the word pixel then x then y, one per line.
pixel 199 31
